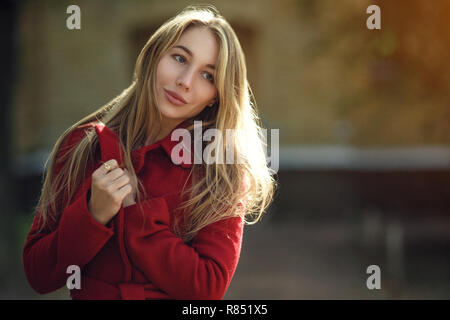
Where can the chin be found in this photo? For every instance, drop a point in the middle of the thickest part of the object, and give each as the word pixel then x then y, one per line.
pixel 171 112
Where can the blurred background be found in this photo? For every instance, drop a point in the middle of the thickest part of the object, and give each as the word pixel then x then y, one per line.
pixel 363 117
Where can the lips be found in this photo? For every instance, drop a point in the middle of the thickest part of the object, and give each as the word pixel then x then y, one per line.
pixel 174 98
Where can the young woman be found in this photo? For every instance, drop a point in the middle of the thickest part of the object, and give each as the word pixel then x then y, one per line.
pixel 114 204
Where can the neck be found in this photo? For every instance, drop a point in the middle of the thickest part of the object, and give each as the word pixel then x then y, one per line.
pixel 166 128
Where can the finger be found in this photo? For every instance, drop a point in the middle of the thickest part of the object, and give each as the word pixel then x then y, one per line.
pixel 120 182
pixel 109 165
pixel 124 191
pixel 132 177
pixel 114 174
pixel 102 169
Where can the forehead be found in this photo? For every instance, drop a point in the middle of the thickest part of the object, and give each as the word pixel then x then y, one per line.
pixel 202 43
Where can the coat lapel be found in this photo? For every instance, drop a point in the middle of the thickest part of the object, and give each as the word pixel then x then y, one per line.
pixel 110 149
pixel 109 144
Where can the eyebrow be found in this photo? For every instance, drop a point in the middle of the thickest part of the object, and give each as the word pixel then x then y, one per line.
pixel 189 52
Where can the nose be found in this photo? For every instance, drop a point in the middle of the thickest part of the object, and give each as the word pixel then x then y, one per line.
pixel 185 79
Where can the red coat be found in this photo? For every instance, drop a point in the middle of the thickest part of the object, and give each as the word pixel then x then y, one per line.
pixel 124 259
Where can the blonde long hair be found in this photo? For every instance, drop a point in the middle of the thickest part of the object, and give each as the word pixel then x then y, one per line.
pixel 218 190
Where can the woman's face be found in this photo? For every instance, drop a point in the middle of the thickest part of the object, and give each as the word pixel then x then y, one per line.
pixel 186 70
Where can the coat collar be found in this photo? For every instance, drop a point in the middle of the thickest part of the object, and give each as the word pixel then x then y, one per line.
pixel 110 147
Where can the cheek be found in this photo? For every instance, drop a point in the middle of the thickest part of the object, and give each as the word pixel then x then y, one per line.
pixel 164 70
pixel 211 93
pixel 204 96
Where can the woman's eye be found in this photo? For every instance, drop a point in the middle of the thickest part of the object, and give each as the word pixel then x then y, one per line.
pixel 179 58
pixel 209 76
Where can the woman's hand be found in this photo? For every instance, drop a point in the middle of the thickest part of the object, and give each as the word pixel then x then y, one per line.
pixel 131 198
pixel 109 187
